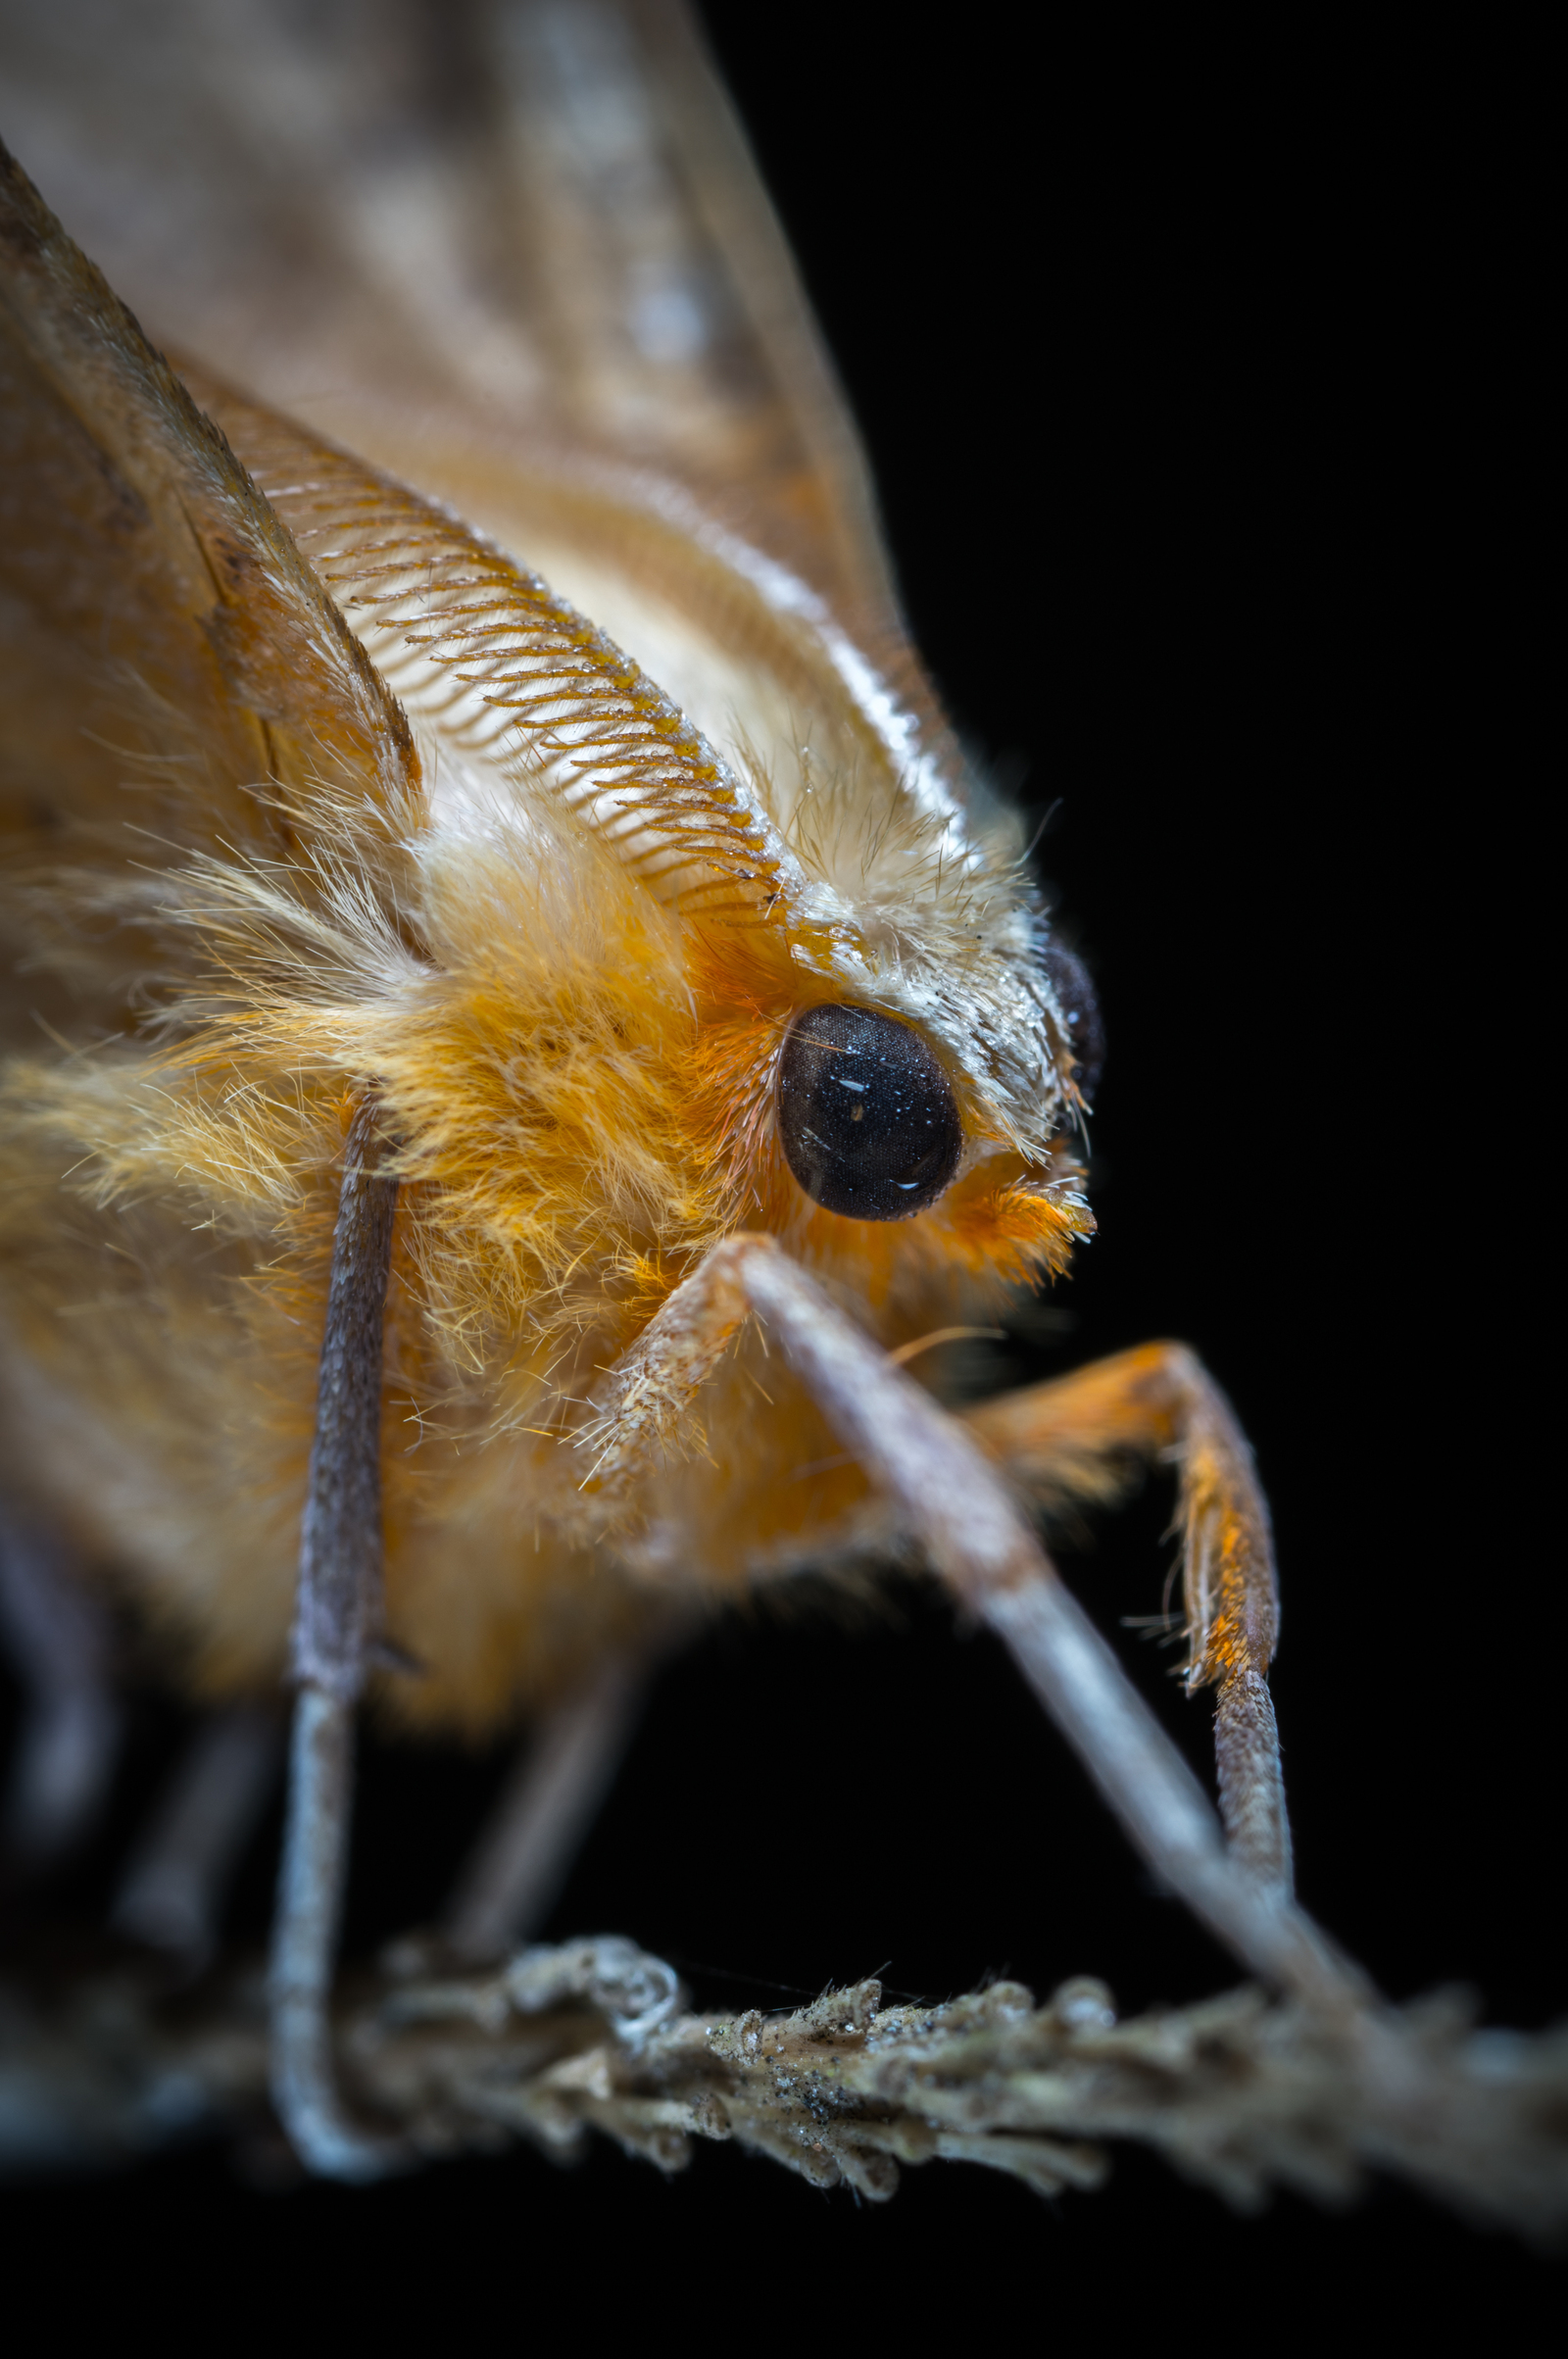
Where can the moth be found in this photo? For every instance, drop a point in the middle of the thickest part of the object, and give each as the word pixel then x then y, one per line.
pixel 523 1028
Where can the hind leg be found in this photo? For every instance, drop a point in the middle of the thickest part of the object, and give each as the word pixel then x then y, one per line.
pixel 174 1891
pixel 545 1809
pixel 57 1639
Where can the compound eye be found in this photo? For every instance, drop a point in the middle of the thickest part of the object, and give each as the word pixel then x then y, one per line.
pixel 1080 1005
pixel 866 1113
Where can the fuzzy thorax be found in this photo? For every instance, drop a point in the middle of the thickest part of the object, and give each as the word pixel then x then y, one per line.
pixel 562 946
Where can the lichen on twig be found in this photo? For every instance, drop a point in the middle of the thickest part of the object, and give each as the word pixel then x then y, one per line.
pixel 1241 2093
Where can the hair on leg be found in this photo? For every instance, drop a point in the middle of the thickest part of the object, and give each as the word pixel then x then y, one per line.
pixel 951 1499
pixel 172 1893
pixel 1075 1437
pixel 547 1806
pixel 56 1636
pixel 336 1611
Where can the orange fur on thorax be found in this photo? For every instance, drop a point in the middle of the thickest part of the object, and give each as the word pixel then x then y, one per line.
pixel 257 894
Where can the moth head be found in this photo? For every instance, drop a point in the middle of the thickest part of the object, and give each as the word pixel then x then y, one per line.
pixel 869 1118
pixel 953 1047
pixel 931 1037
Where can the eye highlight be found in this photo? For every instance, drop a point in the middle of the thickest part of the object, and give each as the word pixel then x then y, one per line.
pixel 866 1113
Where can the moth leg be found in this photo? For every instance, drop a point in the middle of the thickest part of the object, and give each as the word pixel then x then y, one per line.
pixel 952 1500
pixel 57 1638
pixel 336 1611
pixel 172 1893
pixel 1073 1438
pixel 520 1860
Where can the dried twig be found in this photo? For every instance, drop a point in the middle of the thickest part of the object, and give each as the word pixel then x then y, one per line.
pixel 1240 2093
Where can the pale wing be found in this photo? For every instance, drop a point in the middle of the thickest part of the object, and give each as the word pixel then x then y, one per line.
pixel 489 235
pixel 174 679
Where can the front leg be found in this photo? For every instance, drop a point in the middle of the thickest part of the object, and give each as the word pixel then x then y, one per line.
pixel 336 1611
pixel 948 1497
pixel 1073 1440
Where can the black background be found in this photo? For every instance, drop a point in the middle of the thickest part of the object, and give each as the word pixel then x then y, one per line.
pixel 1198 377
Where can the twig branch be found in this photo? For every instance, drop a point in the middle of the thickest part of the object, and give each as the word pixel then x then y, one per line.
pixel 1240 2093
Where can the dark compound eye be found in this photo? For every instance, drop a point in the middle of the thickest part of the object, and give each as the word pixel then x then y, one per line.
pixel 866 1113
pixel 1069 979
